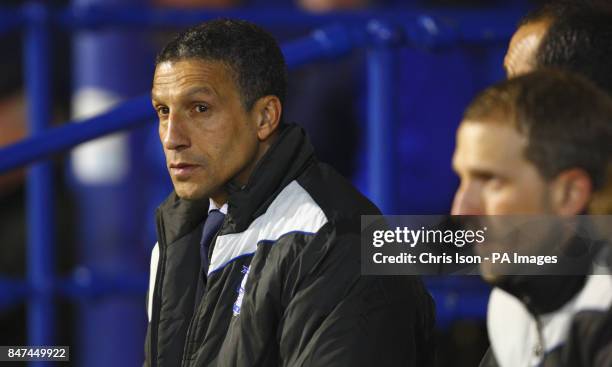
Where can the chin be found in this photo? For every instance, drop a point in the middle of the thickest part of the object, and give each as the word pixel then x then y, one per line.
pixel 491 274
pixel 492 279
pixel 189 192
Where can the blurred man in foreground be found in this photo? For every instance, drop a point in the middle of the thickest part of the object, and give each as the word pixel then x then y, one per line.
pixel 539 144
pixel 271 275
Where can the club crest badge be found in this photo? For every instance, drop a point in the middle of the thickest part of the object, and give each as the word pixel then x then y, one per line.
pixel 238 303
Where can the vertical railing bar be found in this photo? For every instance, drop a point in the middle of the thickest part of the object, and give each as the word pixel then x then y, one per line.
pixel 40 198
pixel 381 114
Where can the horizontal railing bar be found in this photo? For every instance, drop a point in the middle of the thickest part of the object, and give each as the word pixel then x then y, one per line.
pixel 328 42
pixel 10 19
pixel 456 297
pixel 13 291
pixel 453 24
pixel 98 16
pixel 127 115
pixel 331 41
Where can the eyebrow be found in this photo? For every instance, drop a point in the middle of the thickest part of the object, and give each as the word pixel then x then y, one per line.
pixel 198 90
pixel 479 171
pixel 192 91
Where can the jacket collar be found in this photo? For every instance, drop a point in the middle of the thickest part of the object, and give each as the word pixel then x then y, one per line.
pixel 515 334
pixel 286 159
pixel 177 217
pixel 543 294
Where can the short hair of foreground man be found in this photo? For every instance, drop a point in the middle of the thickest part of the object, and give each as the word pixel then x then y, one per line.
pixel 258 71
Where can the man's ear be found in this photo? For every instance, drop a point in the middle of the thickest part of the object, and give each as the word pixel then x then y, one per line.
pixel 571 192
pixel 268 111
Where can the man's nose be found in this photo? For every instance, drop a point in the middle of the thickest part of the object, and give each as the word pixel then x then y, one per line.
pixel 175 136
pixel 467 201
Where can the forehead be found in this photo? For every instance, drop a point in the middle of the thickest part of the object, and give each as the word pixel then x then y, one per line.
pixel 523 46
pixel 178 76
pixel 489 146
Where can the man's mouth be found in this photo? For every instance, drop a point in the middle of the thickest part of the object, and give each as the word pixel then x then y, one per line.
pixel 182 170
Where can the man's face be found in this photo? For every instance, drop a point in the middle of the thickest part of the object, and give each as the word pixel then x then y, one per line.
pixel 495 176
pixel 496 179
pixel 208 137
pixel 520 57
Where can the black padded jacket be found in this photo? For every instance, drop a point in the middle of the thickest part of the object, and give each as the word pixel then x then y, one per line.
pixel 284 285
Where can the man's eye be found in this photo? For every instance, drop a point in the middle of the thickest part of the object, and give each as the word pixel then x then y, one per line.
pixel 201 108
pixel 163 110
pixel 495 182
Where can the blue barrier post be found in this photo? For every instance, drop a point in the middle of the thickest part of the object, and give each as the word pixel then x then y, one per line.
pixel 40 203
pixel 382 115
pixel 110 65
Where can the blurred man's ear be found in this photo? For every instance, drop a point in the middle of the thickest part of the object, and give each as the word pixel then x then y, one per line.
pixel 268 110
pixel 571 192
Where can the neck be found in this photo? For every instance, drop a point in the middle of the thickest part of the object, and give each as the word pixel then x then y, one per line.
pixel 242 179
pixel 219 198
pixel 543 294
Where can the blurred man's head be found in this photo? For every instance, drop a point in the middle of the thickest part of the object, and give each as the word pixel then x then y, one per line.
pixel 536 144
pixel 580 42
pixel 218 89
pixel 558 34
pixel 574 36
pixel 520 57
pixel 521 54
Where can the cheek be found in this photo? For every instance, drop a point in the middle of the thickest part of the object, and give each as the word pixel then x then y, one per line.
pixel 226 151
pixel 162 132
pixel 516 200
pixel 244 141
pixel 502 200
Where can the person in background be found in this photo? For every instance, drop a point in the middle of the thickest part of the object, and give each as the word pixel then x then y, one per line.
pixel 520 56
pixel 569 35
pixel 582 43
pixel 539 144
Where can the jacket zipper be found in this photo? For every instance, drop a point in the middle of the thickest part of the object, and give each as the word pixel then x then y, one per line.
pixel 188 341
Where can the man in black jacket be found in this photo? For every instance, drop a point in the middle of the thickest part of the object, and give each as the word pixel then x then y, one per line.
pixel 539 144
pixel 271 276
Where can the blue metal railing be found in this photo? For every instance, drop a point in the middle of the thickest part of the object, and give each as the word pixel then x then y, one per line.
pixel 379 32
pixel 40 194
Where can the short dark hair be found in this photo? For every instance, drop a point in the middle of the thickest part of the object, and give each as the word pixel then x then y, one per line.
pixel 252 55
pixel 559 9
pixel 554 9
pixel 566 119
pixel 580 42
